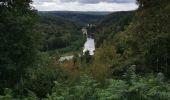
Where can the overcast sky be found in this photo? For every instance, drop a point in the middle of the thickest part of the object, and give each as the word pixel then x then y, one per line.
pixel 85 5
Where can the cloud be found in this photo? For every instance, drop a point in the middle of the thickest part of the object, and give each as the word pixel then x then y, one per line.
pixel 83 1
pixel 85 5
pixel 98 1
pixel 41 1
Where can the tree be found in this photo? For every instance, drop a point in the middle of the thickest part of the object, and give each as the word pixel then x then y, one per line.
pixel 104 59
pixel 19 41
pixel 147 37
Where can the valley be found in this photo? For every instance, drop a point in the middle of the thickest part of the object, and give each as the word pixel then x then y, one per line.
pixel 84 55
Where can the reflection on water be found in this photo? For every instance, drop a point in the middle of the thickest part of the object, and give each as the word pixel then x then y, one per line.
pixel 89 46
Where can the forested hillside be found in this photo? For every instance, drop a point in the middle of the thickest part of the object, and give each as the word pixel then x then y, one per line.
pixel 131 60
pixel 80 17
pixel 60 35
pixel 112 24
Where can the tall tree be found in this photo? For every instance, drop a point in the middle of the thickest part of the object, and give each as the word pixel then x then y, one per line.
pixel 19 41
pixel 148 35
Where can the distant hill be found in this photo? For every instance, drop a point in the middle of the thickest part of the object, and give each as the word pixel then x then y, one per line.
pixel 81 17
pixel 116 18
pixel 112 24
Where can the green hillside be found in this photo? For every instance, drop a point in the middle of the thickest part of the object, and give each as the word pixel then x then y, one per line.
pixel 112 24
pixel 80 17
pixel 60 35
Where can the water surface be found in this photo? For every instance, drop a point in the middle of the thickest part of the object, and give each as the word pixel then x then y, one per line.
pixel 89 46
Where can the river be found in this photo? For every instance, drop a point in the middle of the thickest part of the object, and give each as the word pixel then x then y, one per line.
pixel 89 46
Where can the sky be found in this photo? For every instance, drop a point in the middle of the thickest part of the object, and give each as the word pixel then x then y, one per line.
pixel 85 5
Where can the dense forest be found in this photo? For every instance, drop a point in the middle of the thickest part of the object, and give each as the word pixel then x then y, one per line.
pixel 131 60
pixel 77 16
pixel 60 34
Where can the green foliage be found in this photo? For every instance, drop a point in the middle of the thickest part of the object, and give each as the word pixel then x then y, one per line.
pixel 83 89
pixel 159 58
pixel 111 24
pixel 130 75
pixel 134 87
pixel 141 46
pixel 104 59
pixel 19 41
pixel 144 42
pixel 145 4
pixel 115 90
pixel 142 88
pixel 40 79
pixel 87 58
pixel 60 35
pixel 8 96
